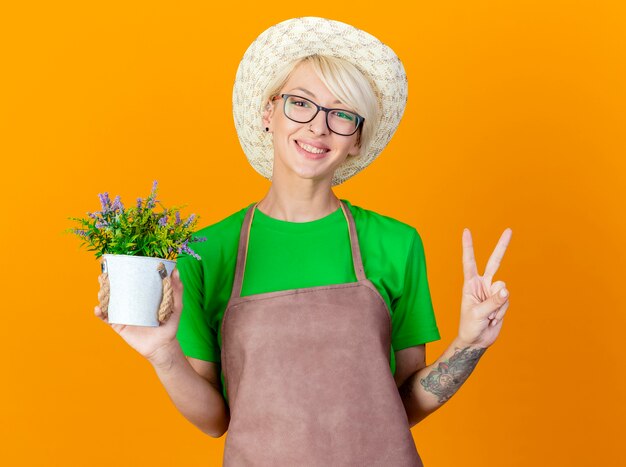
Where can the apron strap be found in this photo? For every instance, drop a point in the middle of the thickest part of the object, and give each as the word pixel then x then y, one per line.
pixel 242 251
pixel 244 236
pixel 357 261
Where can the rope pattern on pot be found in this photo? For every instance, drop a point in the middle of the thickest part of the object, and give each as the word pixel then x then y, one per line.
pixel 167 302
pixel 103 294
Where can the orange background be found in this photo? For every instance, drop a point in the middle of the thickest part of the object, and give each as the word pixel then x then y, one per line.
pixel 515 118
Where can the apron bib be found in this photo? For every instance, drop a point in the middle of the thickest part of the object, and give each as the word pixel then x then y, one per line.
pixel 307 374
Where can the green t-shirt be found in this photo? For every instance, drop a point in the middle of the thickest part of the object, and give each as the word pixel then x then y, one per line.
pixel 286 255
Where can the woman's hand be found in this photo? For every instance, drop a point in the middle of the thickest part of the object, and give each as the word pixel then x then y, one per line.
pixel 482 306
pixel 145 339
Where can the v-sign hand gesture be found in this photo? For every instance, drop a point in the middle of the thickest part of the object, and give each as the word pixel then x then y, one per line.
pixel 482 305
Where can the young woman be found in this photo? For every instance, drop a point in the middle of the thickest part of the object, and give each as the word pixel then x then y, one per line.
pixel 318 357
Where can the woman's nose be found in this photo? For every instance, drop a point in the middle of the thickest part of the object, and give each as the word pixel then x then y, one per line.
pixel 318 124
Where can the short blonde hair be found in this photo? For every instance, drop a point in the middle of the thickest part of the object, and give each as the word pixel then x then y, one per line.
pixel 345 81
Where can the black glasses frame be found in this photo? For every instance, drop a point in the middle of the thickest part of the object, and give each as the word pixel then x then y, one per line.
pixel 359 121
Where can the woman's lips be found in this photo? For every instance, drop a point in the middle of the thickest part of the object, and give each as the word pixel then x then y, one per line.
pixel 309 155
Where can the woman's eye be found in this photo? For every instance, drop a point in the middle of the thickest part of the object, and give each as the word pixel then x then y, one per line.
pixel 300 103
pixel 345 116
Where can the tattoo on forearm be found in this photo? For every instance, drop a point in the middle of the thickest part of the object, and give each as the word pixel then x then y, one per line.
pixel 449 375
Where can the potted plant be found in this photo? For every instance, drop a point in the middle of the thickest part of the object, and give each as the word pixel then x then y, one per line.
pixel 138 247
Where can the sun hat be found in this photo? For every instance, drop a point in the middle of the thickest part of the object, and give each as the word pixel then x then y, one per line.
pixel 297 38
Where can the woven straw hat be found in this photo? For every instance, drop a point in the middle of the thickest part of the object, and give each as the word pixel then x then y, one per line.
pixel 297 38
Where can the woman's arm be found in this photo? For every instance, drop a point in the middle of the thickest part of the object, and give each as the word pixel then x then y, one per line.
pixel 427 389
pixel 483 306
pixel 198 399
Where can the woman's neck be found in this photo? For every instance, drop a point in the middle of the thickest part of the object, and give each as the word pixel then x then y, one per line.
pixel 286 207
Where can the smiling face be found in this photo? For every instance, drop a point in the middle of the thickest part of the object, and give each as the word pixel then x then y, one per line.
pixel 307 150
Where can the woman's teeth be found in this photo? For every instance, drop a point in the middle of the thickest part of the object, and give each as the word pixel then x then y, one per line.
pixel 312 149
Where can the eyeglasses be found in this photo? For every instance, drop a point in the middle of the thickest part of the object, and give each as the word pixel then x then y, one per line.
pixel 302 110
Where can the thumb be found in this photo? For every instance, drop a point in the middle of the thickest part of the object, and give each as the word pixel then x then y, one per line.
pixel 493 303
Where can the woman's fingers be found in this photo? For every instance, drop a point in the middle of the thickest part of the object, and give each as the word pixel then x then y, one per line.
pixel 500 314
pixel 469 261
pixel 99 314
pixel 495 322
pixel 495 288
pixel 498 253
pixel 502 311
pixel 491 305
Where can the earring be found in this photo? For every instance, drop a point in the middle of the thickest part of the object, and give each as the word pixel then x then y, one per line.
pixel 267 129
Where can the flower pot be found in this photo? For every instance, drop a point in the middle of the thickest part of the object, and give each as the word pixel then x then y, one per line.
pixel 136 288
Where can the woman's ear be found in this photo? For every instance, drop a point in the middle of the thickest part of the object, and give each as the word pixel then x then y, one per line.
pixel 355 150
pixel 268 113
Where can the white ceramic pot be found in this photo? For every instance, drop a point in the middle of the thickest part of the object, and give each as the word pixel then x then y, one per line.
pixel 136 288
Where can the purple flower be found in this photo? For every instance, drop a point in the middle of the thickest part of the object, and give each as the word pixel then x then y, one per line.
pixel 199 239
pixel 92 215
pixel 189 220
pixel 102 224
pixel 185 249
pixel 151 199
pixel 82 233
pixel 163 221
pixel 117 204
pixel 177 217
pixel 139 201
pixel 104 201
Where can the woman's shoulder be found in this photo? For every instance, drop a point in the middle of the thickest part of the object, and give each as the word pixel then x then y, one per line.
pixel 220 236
pixel 225 225
pixel 370 220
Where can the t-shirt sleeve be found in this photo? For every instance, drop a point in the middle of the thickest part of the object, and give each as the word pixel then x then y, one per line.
pixel 196 336
pixel 413 319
